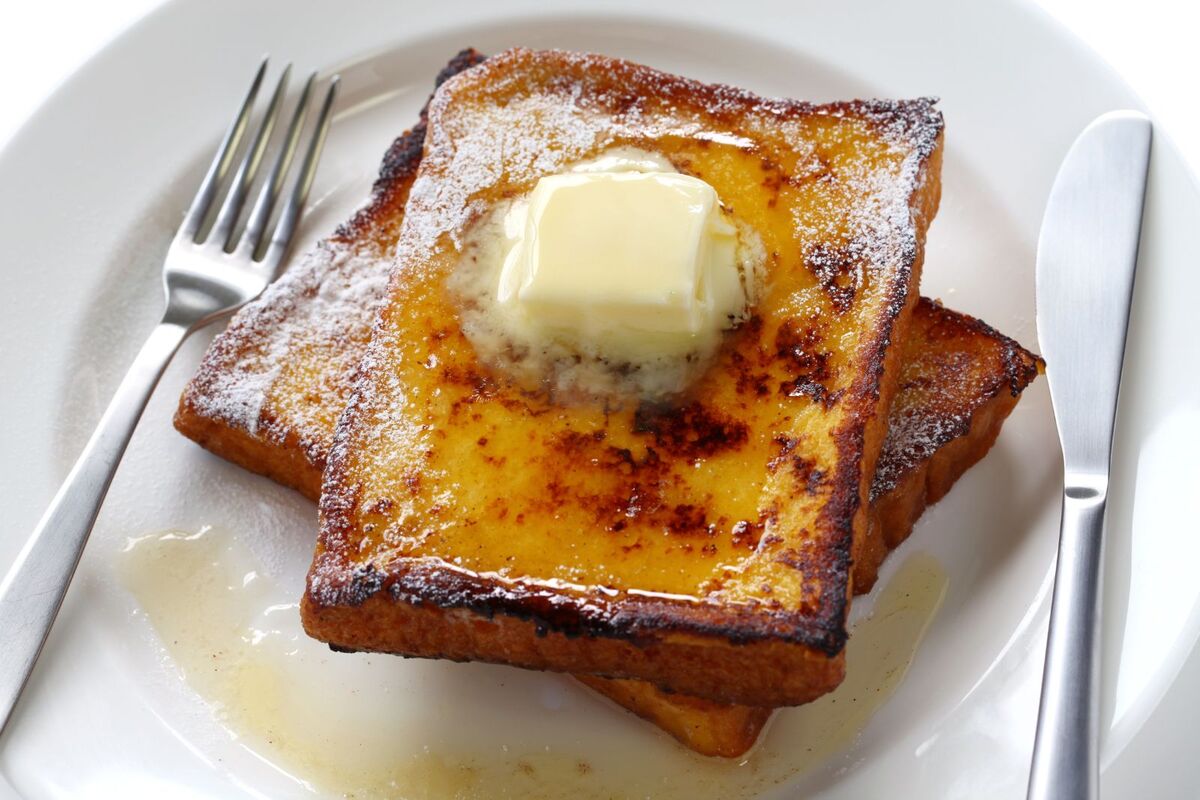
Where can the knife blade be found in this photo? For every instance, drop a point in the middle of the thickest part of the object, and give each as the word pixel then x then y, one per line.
pixel 1087 255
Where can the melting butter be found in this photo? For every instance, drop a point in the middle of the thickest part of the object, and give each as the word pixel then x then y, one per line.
pixel 616 278
pixel 612 256
pixel 381 727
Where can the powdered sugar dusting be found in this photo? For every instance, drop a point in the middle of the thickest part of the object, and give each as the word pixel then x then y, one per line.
pixel 914 435
pixel 463 157
pixel 313 323
pixel 326 302
pixel 954 366
pixel 526 135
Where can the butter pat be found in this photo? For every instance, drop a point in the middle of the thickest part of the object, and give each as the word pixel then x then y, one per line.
pixel 614 280
pixel 627 263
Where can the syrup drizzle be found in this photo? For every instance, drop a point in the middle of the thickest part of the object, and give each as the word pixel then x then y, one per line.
pixel 365 726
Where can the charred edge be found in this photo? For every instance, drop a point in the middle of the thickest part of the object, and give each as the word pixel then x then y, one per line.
pixel 836 526
pixel 404 155
pixel 638 619
pixel 1021 366
pixel 836 521
pixel 816 565
pixel 917 122
pixel 641 620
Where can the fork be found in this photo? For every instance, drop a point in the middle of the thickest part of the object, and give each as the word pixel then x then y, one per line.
pixel 209 273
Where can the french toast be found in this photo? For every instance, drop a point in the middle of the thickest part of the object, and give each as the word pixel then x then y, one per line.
pixel 703 545
pixel 286 431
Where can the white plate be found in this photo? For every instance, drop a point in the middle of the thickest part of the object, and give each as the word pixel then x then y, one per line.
pixel 94 187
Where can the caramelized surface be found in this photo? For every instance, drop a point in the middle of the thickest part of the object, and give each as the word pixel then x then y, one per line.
pixel 726 495
pixel 662 500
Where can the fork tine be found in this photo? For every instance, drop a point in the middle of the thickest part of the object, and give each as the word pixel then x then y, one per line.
pixel 220 164
pixel 269 194
pixel 223 228
pixel 288 220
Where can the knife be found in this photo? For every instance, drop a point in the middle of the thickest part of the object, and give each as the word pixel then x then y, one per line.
pixel 1087 254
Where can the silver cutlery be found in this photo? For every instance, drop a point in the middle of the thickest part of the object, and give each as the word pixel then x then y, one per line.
pixel 211 270
pixel 1087 254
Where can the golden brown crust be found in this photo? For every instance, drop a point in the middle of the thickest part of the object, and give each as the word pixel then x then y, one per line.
pixel 785 647
pixel 937 337
pixel 460 635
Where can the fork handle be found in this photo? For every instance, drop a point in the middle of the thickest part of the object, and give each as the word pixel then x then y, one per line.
pixel 32 591
pixel 1065 750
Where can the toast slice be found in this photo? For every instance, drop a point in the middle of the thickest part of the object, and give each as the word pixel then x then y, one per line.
pixel 704 546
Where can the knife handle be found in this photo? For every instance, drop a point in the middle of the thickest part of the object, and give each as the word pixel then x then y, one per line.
pixel 1065 757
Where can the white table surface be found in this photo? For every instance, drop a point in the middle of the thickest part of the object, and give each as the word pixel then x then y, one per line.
pixel 1151 43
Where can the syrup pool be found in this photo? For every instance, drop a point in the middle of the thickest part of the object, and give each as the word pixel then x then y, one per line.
pixel 364 726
